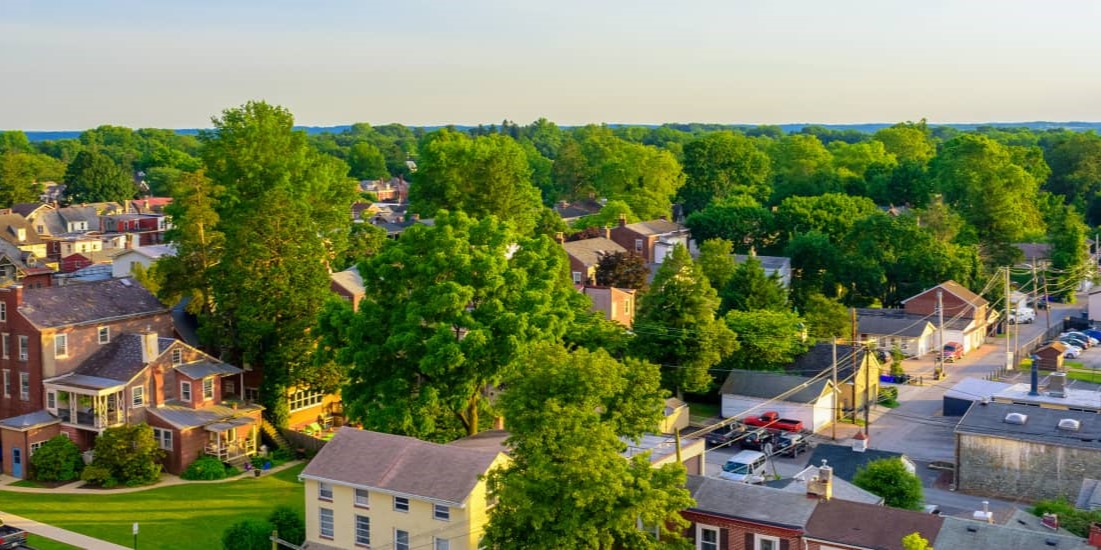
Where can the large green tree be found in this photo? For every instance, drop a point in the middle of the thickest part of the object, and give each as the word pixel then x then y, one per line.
pixel 722 164
pixel 199 245
pixel 483 176
pixel 567 485
pixel 676 326
pixel 644 177
pixel 889 478
pixel 801 165
pixel 716 259
pixel 1069 252
pixel 749 288
pixel 365 162
pixel 908 142
pixel 739 219
pixel 94 177
pixel 21 175
pixel 767 340
pixel 447 314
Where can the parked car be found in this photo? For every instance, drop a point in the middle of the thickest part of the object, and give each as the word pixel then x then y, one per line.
pixel 758 440
pixel 1072 352
pixel 772 420
pixel 1023 315
pixel 1079 334
pixel 791 444
pixel 724 435
pixel 1093 333
pixel 11 537
pixel 746 466
pixel 952 351
pixel 1072 344
pixel 1079 341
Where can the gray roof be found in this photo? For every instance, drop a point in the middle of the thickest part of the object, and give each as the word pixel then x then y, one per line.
pixel 349 280
pixel 768 263
pixel 153 251
pixel 820 357
pixel 588 251
pixel 752 503
pixel 56 222
pixel 890 321
pixel 202 369
pixel 656 227
pixel 752 383
pixel 84 381
pixel 121 359
pixel 30 421
pixel 58 306
pixel 975 389
pixel 1040 427
pixel 186 324
pixel 10 223
pixel 844 460
pixel 976 535
pixel 401 465
pixel 841 489
pixel 183 416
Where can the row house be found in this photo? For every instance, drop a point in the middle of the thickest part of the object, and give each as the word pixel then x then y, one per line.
pixel 17 266
pixel 17 231
pixel 653 239
pixel 145 229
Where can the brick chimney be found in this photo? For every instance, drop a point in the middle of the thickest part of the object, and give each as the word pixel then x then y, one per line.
pixel 607 232
pixel 17 295
pixel 860 442
pixel 1095 535
pixel 623 220
pixel 157 381
pixel 149 346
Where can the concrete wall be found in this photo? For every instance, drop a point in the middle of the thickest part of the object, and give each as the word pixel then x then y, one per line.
pixel 1019 469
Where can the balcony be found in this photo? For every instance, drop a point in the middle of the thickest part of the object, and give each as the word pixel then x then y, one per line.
pixel 94 412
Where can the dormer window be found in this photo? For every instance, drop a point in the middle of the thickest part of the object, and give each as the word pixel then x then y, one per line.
pixel 21 234
pixel 177 356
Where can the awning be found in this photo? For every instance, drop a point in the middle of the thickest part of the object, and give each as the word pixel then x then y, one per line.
pixel 219 427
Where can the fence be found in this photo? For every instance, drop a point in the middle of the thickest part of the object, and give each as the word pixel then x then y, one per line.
pixel 1026 349
pixel 303 441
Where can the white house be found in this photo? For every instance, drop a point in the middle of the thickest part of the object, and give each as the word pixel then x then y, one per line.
pixel 748 393
pixel 124 262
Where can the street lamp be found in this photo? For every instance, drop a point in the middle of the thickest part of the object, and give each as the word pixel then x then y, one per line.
pixel 135 535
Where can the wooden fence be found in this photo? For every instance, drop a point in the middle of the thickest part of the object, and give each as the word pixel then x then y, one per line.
pixel 301 440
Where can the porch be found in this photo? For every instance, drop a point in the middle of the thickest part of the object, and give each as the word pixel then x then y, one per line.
pixel 232 440
pixel 89 409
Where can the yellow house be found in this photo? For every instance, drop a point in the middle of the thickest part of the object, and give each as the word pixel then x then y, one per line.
pixel 370 489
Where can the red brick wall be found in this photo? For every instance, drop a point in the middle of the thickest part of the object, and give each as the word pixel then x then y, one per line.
pixel 10 439
pixel 625 237
pixel 926 304
pixel 734 532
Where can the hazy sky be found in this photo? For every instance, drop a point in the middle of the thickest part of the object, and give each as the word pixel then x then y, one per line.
pixel 77 64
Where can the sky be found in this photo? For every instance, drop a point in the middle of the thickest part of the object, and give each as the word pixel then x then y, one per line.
pixel 74 64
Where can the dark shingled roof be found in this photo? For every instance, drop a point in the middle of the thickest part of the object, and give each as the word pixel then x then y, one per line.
pixel 976 535
pixel 870 526
pixel 402 465
pixel 820 358
pixel 891 321
pixel 120 359
pixel 10 223
pixel 752 383
pixel 752 503
pixel 844 460
pixel 1042 425
pixel 58 306
pixel 26 208
pixel 588 251
pixel 202 369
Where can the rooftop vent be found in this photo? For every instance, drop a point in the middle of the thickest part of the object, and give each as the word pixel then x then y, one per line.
pixel 1069 424
pixel 1016 418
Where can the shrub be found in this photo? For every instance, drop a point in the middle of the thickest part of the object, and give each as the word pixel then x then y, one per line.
pixel 1072 519
pixel 58 459
pixel 289 523
pixel 205 468
pixel 125 455
pixel 889 478
pixel 250 534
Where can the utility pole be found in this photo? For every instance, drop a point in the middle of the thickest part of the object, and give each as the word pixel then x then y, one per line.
pixel 852 313
pixel 867 379
pixel 1008 312
pixel 1047 304
pixel 836 403
pixel 939 361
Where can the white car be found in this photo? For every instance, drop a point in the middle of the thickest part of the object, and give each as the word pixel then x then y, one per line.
pixel 1072 352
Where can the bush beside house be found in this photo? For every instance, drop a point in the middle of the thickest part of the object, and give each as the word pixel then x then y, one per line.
pixel 58 459
pixel 125 455
pixel 253 534
pixel 208 468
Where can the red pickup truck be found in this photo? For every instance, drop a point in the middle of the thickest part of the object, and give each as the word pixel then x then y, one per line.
pixel 772 420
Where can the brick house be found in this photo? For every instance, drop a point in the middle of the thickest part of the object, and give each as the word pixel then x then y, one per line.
pixel 585 255
pixel 739 516
pixel 145 229
pixel 348 285
pixel 650 239
pixel 21 436
pixel 617 304
pixel 47 332
pixel 16 230
pixel 967 315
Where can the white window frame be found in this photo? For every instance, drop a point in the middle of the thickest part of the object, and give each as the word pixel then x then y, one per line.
pixel 104 335
pixel 208 388
pixel 323 522
pixel 441 544
pixel 305 398
pixel 705 545
pixel 362 534
pixel 61 346
pixel 137 396
pixel 24 347
pixel 7 383
pixel 163 437
pixel 758 539
pixel 362 498
pixel 177 356
pixel 6 344
pixel 404 506
pixel 34 447
pixel 51 400
pixel 324 491
pixel 576 277
pixel 398 544
pixel 3 312
pixel 638 245
pixel 185 388
pixel 25 386
pixel 437 515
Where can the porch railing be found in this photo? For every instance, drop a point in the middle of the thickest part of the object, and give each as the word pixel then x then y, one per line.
pixel 232 450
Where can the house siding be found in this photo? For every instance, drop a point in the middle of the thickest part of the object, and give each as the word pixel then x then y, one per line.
pixel 11 439
pixel 735 534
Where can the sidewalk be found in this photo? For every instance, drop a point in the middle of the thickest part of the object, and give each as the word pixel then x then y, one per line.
pixel 167 480
pixel 58 534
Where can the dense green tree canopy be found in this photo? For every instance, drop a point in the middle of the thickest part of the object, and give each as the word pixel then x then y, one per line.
pixel 889 478
pixel 832 214
pixel 722 164
pixel 767 340
pixel 801 166
pixel 739 219
pixel 94 177
pixel 622 270
pixel 716 259
pixel 749 288
pixel 567 485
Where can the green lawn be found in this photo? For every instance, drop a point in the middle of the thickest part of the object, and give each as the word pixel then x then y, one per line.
pixel 1085 376
pixel 185 516
pixel 25 483
pixel 703 409
pixel 39 543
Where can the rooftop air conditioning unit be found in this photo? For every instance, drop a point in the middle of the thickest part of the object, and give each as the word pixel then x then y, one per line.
pixel 1069 424
pixel 1016 418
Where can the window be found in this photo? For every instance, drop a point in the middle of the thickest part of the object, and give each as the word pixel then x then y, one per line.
pixel 442 544
pixel 762 542
pixel 252 394
pixel 441 512
pixel 185 391
pixel 362 499
pixel 61 345
pixel 324 491
pixel 401 504
pixel 6 339
pixel 25 386
pixel 34 447
pixel 104 335
pixel 51 400
pixel 576 277
pixel 363 530
pixel 208 388
pixel 401 540
pixel 7 383
pixel 326 524
pixel 707 538
pixel 638 245
pixel 177 357
pixel 163 437
pixel 24 347
pixel 626 307
pixel 229 387
pixel 302 399
pixel 137 396
pixel 3 311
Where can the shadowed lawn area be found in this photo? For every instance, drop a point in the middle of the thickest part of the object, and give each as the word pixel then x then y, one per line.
pixel 39 543
pixel 181 517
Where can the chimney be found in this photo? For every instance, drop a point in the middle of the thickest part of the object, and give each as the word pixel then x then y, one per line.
pixel 149 346
pixel 1051 521
pixel 1057 384
pixel 158 386
pixel 560 237
pixel 17 295
pixel 1034 389
pixel 860 442
pixel 623 220
pixel 1095 535
pixel 821 485
pixel 607 232
pixel 984 514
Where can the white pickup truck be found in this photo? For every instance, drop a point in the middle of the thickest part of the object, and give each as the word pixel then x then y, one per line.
pixel 1023 315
